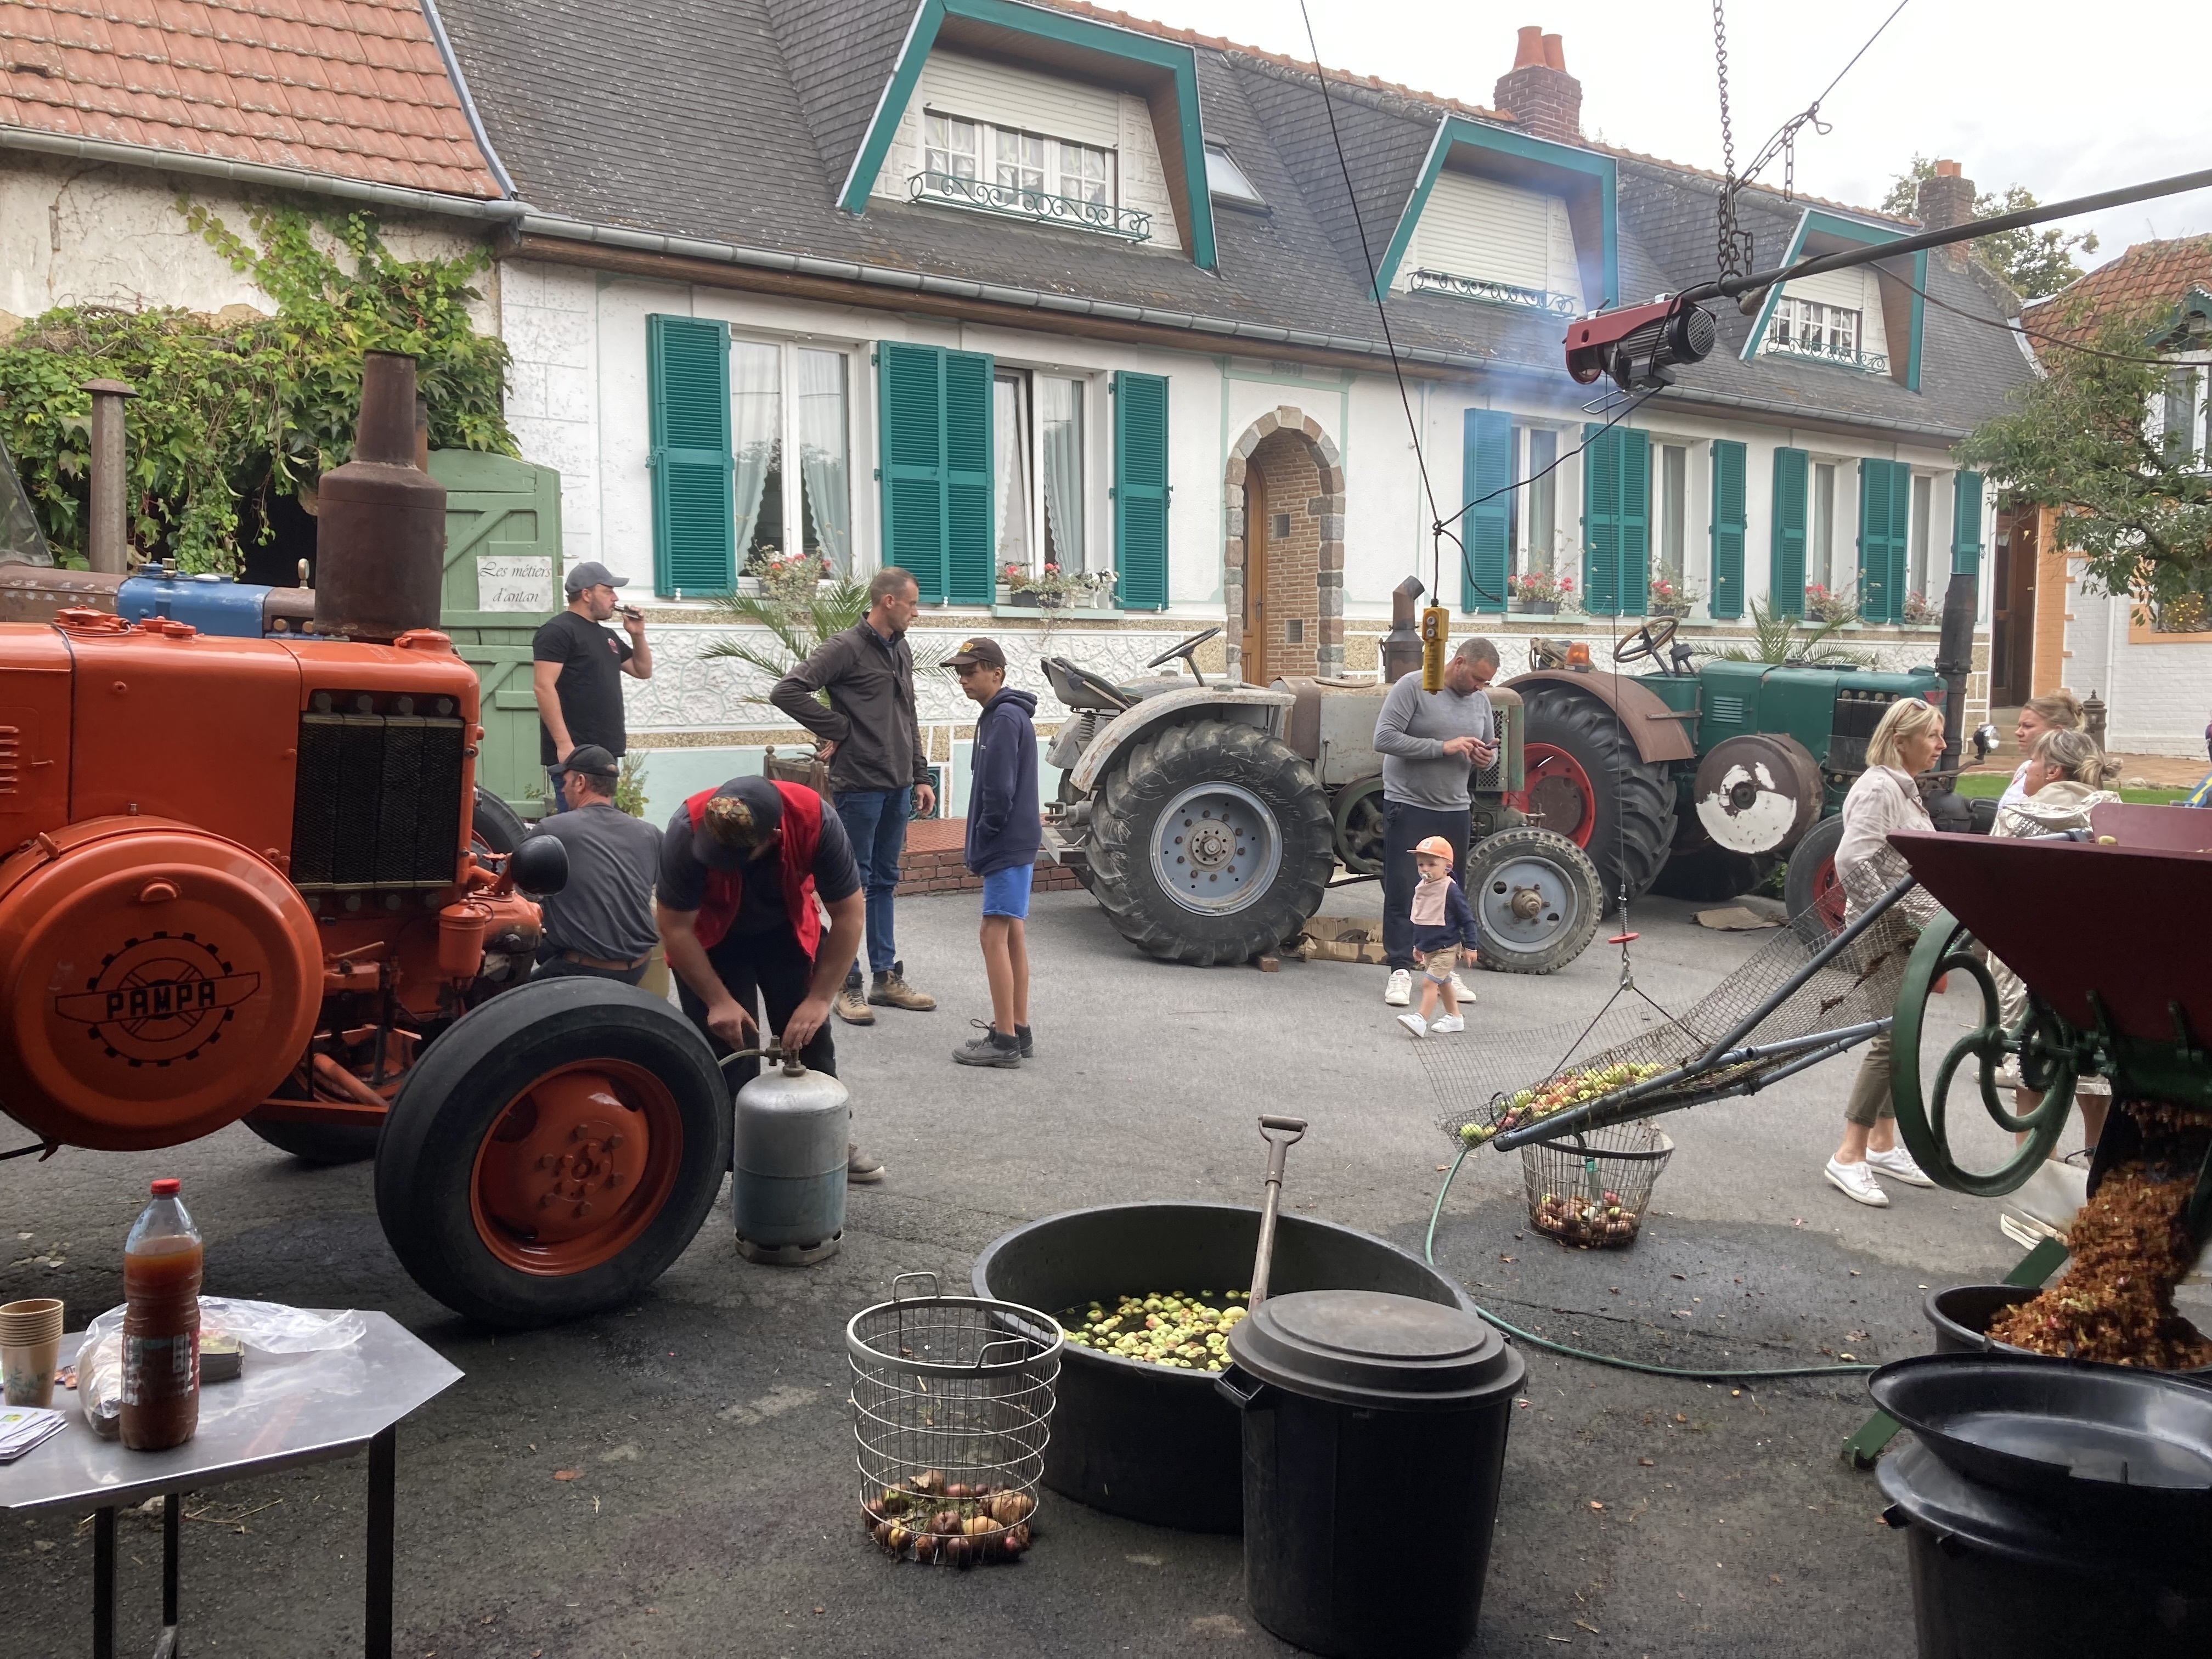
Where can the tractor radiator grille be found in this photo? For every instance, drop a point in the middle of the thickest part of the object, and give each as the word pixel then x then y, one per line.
pixel 1857 714
pixel 376 801
pixel 1727 711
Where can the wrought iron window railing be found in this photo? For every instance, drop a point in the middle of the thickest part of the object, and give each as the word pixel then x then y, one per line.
pixel 1502 294
pixel 1810 351
pixel 1014 201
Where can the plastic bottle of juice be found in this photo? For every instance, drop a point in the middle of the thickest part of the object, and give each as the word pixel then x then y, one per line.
pixel 161 1262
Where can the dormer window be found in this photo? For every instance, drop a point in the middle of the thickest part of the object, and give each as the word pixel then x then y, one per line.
pixel 1826 333
pixel 1028 175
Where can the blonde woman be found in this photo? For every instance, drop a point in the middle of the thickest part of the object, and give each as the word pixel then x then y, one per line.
pixel 1885 798
pixel 2066 775
pixel 2058 711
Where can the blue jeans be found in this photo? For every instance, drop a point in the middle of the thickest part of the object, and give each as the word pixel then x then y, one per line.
pixel 559 802
pixel 875 822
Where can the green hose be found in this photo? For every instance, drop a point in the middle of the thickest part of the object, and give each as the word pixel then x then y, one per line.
pixel 1428 1251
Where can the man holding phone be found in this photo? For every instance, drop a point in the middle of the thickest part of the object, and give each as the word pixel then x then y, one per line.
pixel 578 669
pixel 1430 742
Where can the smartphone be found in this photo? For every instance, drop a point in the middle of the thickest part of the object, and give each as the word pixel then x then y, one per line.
pixel 631 612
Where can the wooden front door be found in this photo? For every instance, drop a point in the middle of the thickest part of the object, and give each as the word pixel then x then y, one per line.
pixel 1254 643
pixel 2011 619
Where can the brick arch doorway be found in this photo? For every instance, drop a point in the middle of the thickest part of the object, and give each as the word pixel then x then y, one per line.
pixel 1285 558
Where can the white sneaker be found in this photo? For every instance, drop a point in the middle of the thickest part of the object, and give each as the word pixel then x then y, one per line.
pixel 1856 1180
pixel 1400 991
pixel 1897 1164
pixel 1443 1024
pixel 1460 990
pixel 1413 1024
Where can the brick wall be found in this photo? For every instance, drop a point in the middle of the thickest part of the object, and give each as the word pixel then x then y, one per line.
pixel 1293 493
pixel 932 862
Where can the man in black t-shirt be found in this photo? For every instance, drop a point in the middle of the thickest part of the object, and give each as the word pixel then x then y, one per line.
pixel 578 669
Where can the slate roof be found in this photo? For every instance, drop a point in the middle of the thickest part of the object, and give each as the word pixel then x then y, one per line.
pixel 2150 280
pixel 737 121
pixel 351 89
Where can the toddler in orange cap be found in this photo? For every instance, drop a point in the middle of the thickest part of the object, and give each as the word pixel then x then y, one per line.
pixel 1443 924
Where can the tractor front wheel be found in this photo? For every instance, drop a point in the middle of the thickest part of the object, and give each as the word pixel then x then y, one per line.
pixel 1810 883
pixel 1536 899
pixel 553 1153
pixel 1210 842
pixel 1586 782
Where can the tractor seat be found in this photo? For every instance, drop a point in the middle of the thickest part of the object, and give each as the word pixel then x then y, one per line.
pixel 1079 688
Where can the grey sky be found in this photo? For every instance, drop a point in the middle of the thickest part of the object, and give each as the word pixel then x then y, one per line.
pixel 2064 101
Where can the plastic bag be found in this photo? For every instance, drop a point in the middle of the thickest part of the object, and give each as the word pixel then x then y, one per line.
pixel 267 1328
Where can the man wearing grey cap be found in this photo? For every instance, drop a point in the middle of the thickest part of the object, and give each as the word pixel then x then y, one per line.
pixel 600 925
pixel 578 669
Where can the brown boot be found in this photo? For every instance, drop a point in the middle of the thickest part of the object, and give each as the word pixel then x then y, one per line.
pixel 851 1006
pixel 890 990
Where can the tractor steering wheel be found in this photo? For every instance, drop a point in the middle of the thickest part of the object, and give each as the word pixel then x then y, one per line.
pixel 1184 650
pixel 1648 640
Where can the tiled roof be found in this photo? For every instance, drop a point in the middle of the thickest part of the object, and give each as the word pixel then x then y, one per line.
pixel 736 120
pixel 2147 282
pixel 353 88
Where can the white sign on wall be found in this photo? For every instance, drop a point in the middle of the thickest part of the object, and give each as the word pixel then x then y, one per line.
pixel 514 581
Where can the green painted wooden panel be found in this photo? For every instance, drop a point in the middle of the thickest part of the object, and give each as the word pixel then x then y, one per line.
pixel 694 511
pixel 501 508
pixel 1140 490
pixel 1485 468
pixel 1616 521
pixel 1785 570
pixel 1966 523
pixel 1884 524
pixel 1727 532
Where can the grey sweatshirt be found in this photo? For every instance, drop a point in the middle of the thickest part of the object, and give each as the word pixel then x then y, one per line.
pixel 1410 736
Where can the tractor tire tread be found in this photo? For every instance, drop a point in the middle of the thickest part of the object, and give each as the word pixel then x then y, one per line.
pixel 1629 844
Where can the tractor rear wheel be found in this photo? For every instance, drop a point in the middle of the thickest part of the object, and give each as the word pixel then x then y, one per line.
pixel 1079 868
pixel 495 826
pixel 1210 842
pixel 553 1153
pixel 1810 883
pixel 1536 899
pixel 1585 782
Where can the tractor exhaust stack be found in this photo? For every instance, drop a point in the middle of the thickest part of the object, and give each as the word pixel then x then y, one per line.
pixel 380 531
pixel 1401 646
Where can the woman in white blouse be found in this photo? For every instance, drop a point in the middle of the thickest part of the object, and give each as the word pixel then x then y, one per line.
pixel 2057 711
pixel 1885 798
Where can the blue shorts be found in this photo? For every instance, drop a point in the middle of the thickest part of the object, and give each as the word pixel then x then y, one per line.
pixel 1006 892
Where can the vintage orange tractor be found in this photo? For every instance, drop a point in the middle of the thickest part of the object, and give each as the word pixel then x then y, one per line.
pixel 252 878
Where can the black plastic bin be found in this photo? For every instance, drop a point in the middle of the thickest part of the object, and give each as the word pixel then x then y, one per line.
pixel 1374 1439
pixel 1147 1442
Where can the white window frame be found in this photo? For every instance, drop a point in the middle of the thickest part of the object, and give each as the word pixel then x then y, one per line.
pixel 1056 152
pixel 1098 552
pixel 1820 525
pixel 1920 536
pixel 2196 446
pixel 791 480
pixel 1524 498
pixel 1237 186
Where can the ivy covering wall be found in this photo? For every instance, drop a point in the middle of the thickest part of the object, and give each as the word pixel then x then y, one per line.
pixel 231 412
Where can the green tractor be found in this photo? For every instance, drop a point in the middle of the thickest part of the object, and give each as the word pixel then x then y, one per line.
pixel 1695 782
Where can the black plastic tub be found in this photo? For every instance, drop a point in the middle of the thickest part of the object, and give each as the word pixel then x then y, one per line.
pixel 1143 1441
pixel 1961 1317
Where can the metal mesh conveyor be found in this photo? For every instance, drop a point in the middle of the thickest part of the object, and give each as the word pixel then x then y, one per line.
pixel 1803 997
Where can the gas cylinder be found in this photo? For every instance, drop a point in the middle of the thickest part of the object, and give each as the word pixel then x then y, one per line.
pixel 793 1126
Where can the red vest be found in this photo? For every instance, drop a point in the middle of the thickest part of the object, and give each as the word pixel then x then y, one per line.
pixel 726 889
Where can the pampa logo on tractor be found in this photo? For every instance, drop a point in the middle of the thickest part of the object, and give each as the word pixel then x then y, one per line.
pixel 159 999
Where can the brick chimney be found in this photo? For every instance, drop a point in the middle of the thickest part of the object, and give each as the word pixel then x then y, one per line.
pixel 1538 92
pixel 1946 200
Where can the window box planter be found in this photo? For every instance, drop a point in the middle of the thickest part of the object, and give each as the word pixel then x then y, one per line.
pixel 1536 607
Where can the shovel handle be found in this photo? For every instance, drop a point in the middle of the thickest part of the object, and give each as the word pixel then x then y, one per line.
pixel 1281 1133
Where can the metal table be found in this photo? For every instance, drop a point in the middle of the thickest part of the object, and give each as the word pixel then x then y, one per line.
pixel 285 1409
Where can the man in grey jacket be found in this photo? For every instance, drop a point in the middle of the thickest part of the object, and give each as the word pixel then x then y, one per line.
pixel 1429 742
pixel 878 771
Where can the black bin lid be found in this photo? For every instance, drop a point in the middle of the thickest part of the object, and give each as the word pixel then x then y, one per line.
pixel 1369 1348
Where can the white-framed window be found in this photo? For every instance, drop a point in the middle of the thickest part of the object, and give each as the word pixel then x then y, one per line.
pixel 1673 537
pixel 1919 527
pixel 1224 178
pixel 2184 416
pixel 1026 164
pixel 1817 330
pixel 1533 513
pixel 1039 434
pixel 790 402
pixel 1820 533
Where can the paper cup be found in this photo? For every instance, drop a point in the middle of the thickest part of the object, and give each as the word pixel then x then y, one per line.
pixel 30 1347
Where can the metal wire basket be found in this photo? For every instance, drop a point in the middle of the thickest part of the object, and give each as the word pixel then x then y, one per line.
pixel 952 1408
pixel 1589 1190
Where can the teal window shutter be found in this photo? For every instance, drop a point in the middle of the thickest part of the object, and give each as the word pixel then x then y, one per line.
pixel 1785 570
pixel 1487 469
pixel 970 548
pixel 1601 522
pixel 1140 490
pixel 936 471
pixel 1728 519
pixel 1885 509
pixel 911 396
pixel 1966 523
pixel 694 508
pixel 1635 449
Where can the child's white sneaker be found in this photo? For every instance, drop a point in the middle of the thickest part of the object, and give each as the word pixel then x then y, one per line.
pixel 1460 991
pixel 1414 1025
pixel 1444 1024
pixel 1400 991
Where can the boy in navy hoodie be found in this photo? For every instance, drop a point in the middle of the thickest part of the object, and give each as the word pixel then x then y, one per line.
pixel 1004 834
pixel 1443 924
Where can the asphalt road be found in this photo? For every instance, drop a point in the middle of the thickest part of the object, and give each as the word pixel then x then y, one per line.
pixel 712 1511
